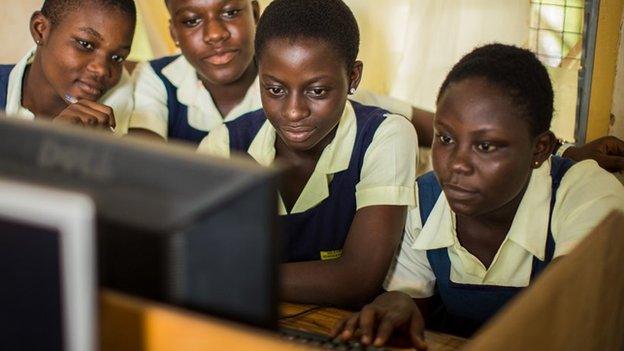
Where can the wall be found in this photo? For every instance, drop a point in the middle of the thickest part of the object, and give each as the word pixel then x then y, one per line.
pixel 14 34
pixel 617 109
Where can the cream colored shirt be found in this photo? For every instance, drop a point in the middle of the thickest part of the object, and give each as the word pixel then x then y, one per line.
pixel 585 196
pixel 150 97
pixel 388 171
pixel 119 98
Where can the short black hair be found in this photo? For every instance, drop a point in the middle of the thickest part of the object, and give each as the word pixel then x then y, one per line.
pixel 55 10
pixel 328 20
pixel 518 72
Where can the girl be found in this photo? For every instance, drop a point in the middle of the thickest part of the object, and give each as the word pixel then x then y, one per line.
pixel 498 208
pixel 215 80
pixel 344 202
pixel 75 74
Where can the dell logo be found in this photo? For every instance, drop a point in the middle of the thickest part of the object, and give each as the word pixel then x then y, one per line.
pixel 82 161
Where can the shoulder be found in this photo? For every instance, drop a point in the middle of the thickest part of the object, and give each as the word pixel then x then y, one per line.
pixel 248 120
pixel 160 63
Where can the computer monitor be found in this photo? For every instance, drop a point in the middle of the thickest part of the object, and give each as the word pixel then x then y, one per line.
pixel 172 225
pixel 47 289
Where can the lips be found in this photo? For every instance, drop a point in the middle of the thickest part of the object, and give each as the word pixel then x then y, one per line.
pixel 90 89
pixel 297 135
pixel 458 192
pixel 221 57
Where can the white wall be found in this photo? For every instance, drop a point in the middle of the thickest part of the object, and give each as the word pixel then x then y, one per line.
pixel 15 37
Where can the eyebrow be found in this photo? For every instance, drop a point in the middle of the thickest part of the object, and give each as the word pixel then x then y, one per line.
pixel 92 31
pixel 309 81
pixel 96 34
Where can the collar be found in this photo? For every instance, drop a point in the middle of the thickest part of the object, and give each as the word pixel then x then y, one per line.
pixel 191 91
pixel 334 158
pixel 14 89
pixel 529 228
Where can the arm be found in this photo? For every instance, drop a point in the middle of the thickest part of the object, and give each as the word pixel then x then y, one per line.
pixel 423 122
pixel 607 151
pixel 385 189
pixel 357 276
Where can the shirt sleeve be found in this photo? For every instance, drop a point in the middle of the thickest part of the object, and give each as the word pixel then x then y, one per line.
pixel 216 143
pixel 120 99
pixel 150 101
pixel 396 106
pixel 389 168
pixel 410 272
pixel 586 195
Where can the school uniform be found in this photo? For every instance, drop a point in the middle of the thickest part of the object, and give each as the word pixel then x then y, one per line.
pixel 562 204
pixel 370 161
pixel 171 101
pixel 119 98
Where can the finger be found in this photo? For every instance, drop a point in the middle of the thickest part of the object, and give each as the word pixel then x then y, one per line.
pixel 417 331
pixel 104 109
pixel 368 318
pixel 88 114
pixel 611 163
pixel 350 326
pixel 339 327
pixel 386 327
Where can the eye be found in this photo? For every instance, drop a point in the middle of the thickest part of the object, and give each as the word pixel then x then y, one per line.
pixel 229 14
pixel 276 91
pixel 118 58
pixel 445 139
pixel 486 147
pixel 317 92
pixel 191 22
pixel 86 45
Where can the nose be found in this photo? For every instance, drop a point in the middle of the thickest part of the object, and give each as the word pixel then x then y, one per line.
pixel 460 162
pixel 215 32
pixel 100 67
pixel 296 108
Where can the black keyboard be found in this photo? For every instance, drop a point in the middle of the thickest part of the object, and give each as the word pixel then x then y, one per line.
pixel 324 342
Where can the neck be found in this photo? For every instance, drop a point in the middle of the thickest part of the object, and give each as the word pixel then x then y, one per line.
pixel 38 96
pixel 295 157
pixel 499 220
pixel 229 95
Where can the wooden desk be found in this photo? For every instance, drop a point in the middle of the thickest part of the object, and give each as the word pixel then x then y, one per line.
pixel 323 320
pixel 128 323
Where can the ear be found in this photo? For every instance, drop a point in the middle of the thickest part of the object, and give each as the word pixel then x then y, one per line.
pixel 173 34
pixel 355 76
pixel 40 27
pixel 543 148
pixel 255 8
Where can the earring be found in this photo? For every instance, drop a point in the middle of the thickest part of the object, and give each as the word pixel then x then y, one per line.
pixel 38 42
pixel 536 163
pixel 177 43
pixel 351 91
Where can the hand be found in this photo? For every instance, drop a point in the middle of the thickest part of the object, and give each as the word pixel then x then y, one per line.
pixel 607 151
pixel 389 312
pixel 87 113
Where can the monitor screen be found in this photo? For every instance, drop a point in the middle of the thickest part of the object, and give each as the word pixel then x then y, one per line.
pixel 172 225
pixel 47 295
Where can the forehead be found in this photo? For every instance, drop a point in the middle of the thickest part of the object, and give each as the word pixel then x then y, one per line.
pixel 477 104
pixel 305 53
pixel 174 5
pixel 106 22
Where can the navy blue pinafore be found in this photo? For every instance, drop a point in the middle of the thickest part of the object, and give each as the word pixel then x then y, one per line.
pixel 319 232
pixel 5 71
pixel 468 306
pixel 178 126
